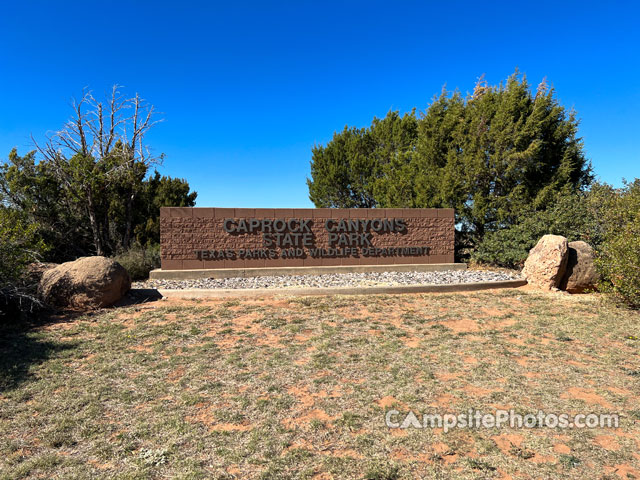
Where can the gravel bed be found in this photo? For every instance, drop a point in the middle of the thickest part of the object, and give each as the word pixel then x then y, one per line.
pixel 335 280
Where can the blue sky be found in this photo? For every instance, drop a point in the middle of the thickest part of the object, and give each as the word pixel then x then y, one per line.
pixel 247 88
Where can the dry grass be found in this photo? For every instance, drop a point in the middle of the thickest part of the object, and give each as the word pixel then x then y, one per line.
pixel 298 388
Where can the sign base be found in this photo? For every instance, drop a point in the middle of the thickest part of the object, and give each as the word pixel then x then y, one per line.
pixel 160 274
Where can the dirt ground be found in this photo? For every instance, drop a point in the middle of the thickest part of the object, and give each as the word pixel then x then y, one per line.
pixel 298 387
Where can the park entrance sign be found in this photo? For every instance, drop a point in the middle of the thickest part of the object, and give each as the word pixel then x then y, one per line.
pixel 213 238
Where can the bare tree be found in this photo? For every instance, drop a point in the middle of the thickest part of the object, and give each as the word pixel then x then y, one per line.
pixel 103 142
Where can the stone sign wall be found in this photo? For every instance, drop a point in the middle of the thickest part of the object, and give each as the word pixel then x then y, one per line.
pixel 204 238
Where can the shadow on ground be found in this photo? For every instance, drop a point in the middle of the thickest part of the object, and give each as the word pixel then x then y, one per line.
pixel 22 346
pixel 136 296
pixel 20 349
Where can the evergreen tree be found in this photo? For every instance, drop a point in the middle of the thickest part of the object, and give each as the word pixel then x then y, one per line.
pixel 493 155
pixel 59 216
pixel 343 171
pixel 394 138
pixel 89 192
pixel 436 167
pixel 32 188
pixel 364 167
pixel 158 191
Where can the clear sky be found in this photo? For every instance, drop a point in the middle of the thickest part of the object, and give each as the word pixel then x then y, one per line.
pixel 247 88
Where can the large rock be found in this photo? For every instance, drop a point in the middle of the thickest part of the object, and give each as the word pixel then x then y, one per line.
pixel 89 282
pixel 581 273
pixel 34 271
pixel 547 262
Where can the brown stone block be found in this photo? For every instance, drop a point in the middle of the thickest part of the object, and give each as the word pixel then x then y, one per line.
pixel 224 213
pixel 277 262
pixel 284 213
pixel 203 213
pixel 405 259
pixel 340 213
pixel 192 264
pixel 367 260
pixel 385 260
pixel 446 213
pixel 244 212
pixel 330 261
pixel 237 263
pixel 265 213
pixel 376 212
pixel 358 212
pixel 180 212
pixel 165 212
pixel 422 259
pixel 426 212
pixel 303 212
pixel 396 212
pixel 292 262
pixel 168 264
pixel 408 213
pixel 254 262
pixel 350 260
pixel 213 263
pixel 322 213
pixel 441 258
pixel 312 262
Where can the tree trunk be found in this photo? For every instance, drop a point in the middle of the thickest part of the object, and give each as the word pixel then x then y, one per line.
pixel 93 222
pixel 129 222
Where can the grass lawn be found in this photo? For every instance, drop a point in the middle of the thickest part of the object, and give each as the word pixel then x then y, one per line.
pixel 298 388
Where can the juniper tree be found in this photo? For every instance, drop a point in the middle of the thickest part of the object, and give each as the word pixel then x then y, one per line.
pixel 343 171
pixel 361 167
pixel 491 155
pixel 88 192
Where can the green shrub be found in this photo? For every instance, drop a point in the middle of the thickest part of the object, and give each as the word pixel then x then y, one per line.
pixel 618 256
pixel 20 245
pixel 139 261
pixel 571 216
pixel 608 219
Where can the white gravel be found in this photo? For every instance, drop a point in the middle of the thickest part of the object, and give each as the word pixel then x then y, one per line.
pixel 335 280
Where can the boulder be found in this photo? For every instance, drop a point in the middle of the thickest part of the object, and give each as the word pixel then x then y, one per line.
pixel 581 273
pixel 547 262
pixel 34 271
pixel 88 282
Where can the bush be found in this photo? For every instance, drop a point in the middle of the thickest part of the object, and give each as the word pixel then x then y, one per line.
pixel 571 215
pixel 19 246
pixel 139 261
pixel 618 256
pixel 608 219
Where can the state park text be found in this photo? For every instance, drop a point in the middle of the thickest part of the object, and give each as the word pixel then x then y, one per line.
pixel 295 238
